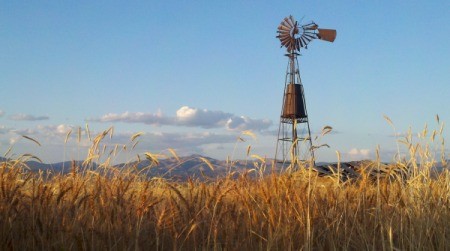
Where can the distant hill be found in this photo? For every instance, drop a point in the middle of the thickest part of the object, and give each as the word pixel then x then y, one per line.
pixel 180 169
pixel 194 167
pixel 60 167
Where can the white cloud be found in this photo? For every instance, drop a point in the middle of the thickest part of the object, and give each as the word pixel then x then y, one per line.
pixel 358 154
pixel 246 123
pixel 45 130
pixel 134 117
pixel 53 134
pixel 163 140
pixel 61 129
pixel 27 117
pixel 1 113
pixel 190 117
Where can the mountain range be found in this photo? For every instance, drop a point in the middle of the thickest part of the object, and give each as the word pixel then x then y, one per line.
pixel 194 166
pixel 198 167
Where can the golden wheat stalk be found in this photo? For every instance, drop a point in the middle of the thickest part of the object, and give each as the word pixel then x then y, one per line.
pixel 31 139
pixel 136 135
pixel 67 136
pixel 208 163
pixel 174 154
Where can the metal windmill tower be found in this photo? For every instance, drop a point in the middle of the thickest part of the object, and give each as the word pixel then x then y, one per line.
pixel 294 142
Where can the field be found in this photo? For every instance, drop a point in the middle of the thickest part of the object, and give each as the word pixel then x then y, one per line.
pixel 407 208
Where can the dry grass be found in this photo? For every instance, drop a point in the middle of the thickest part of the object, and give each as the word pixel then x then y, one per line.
pixel 123 210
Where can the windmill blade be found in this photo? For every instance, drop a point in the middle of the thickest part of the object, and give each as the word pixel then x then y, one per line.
pixel 287 43
pixel 298 45
pixel 304 42
pixel 285 40
pixel 310 36
pixel 294 30
pixel 291 18
pixel 307 39
pixel 291 43
pixel 327 34
pixel 300 42
pixel 286 26
pixel 309 33
pixel 283 36
pixel 287 21
pixel 283 27
pixel 310 26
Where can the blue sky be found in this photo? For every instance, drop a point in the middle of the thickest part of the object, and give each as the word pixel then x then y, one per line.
pixel 193 75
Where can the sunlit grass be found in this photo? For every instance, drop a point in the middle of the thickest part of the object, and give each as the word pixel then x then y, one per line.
pixel 107 208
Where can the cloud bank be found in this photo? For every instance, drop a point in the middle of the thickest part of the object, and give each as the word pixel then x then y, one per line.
pixel 57 134
pixel 56 142
pixel 27 117
pixel 190 117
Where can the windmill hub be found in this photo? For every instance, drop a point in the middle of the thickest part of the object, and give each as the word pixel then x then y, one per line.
pixel 293 113
pixel 294 32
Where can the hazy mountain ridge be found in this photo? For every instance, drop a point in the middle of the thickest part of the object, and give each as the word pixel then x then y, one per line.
pixel 193 166
pixel 188 166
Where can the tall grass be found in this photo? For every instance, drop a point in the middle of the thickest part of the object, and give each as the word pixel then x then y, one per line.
pixel 112 209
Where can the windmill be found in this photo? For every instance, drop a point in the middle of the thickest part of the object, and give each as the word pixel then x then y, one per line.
pixel 294 142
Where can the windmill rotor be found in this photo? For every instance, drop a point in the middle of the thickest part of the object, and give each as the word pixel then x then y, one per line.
pixel 294 36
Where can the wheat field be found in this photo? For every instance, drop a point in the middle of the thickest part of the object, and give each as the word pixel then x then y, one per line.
pixel 122 209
